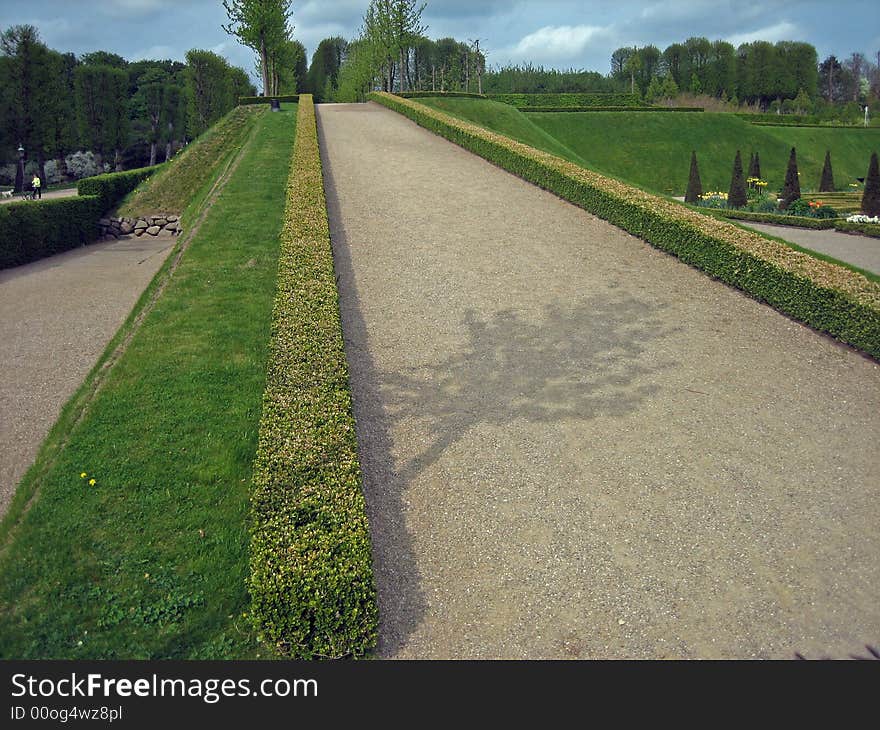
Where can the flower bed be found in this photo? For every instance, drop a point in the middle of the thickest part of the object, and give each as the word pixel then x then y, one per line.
pixel 825 296
pixel 311 583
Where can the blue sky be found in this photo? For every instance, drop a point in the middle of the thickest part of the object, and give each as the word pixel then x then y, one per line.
pixel 553 33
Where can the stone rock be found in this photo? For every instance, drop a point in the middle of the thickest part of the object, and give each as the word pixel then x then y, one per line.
pixel 172 227
pixel 126 227
pixel 141 224
pixel 104 222
pixel 153 230
pixel 173 219
pixel 139 231
pixel 159 222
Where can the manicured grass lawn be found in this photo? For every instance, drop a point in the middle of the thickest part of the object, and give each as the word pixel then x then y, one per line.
pixel 505 119
pixel 151 561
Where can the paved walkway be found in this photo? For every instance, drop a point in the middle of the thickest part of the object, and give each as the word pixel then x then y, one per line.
pixel 576 446
pixel 861 251
pixel 58 315
pixel 47 195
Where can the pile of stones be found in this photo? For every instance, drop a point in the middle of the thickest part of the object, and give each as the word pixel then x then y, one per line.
pixel 151 225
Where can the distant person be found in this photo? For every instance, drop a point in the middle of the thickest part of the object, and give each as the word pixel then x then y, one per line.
pixel 36 185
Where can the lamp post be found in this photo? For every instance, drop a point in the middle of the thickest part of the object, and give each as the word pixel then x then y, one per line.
pixel 19 173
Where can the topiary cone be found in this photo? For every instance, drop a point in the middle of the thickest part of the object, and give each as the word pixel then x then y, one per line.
pixel 871 197
pixel 791 189
pixel 826 184
pixel 737 197
pixel 757 169
pixel 753 165
pixel 695 185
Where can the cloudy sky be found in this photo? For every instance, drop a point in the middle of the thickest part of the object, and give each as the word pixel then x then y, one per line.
pixel 553 33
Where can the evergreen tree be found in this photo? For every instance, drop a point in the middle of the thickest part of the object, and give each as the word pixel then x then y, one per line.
pixel 695 185
pixel 791 188
pixel 871 198
pixel 754 167
pixel 737 197
pixel 757 169
pixel 826 184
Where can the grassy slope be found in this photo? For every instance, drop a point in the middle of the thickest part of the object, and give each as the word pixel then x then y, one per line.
pixel 152 561
pixel 653 150
pixel 503 118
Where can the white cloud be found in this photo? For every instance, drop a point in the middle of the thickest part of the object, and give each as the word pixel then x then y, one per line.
pixel 779 32
pixel 556 43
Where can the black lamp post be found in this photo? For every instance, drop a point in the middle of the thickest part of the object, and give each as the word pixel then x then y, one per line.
pixel 19 173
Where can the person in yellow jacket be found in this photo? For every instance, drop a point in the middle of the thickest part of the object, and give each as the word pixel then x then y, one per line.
pixel 36 184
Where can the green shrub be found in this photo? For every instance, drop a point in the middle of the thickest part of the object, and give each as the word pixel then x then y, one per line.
pixel 695 185
pixel 555 109
pixel 33 230
pixel 439 94
pixel 778 219
pixel 523 101
pixel 114 186
pixel 828 297
pixel 248 100
pixel 871 196
pixel 791 187
pixel 866 229
pixel 826 184
pixel 737 196
pixel 311 583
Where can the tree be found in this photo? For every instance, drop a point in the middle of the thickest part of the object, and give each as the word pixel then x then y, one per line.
pixel 791 188
pixel 407 24
pixel 263 26
pixel 695 185
pixel 323 72
pixel 826 184
pixel 737 196
pixel 101 98
pixel 757 168
pixel 208 90
pixel 292 68
pixel 632 67
pixel 871 196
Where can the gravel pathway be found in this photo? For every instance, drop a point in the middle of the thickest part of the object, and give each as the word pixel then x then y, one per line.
pixel 58 315
pixel 47 195
pixel 576 446
pixel 861 251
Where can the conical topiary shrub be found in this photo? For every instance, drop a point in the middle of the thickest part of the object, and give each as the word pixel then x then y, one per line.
pixel 791 189
pixel 753 165
pixel 826 184
pixel 695 185
pixel 871 198
pixel 757 170
pixel 737 197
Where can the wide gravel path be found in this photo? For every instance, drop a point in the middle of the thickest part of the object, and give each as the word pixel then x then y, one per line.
pixel 576 446
pixel 58 315
pixel 861 251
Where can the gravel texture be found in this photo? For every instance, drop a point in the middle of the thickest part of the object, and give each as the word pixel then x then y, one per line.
pixel 574 445
pixel 58 314
pixel 47 195
pixel 861 251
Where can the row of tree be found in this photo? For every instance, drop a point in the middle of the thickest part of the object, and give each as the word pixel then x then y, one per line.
pixel 52 104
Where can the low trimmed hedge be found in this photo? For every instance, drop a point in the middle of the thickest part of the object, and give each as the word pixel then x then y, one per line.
pixel 565 100
pixel 611 109
pixel 431 94
pixel 311 582
pixel 866 229
pixel 112 187
pixel 32 230
pixel 798 221
pixel 825 296
pixel 247 100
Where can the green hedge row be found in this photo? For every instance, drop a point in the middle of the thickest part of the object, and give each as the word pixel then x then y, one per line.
pixel 795 120
pixel 798 221
pixel 114 186
pixel 33 230
pixel 611 109
pixel 430 94
pixel 312 588
pixel 247 100
pixel 825 296
pixel 866 229
pixel 564 100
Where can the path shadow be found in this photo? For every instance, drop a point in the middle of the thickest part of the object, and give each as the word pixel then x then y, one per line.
pixel 579 361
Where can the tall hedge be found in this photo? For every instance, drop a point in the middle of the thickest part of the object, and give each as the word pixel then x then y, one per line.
pixel 31 230
pixel 828 297
pixel 114 186
pixel 695 185
pixel 826 183
pixel 560 100
pixel 737 196
pixel 791 188
pixel 311 582
pixel 871 196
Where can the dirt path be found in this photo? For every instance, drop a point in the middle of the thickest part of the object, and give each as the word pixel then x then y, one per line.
pixel 58 315
pixel 860 251
pixel 576 446
pixel 47 195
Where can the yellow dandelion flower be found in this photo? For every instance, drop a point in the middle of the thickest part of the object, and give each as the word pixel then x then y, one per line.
pixel 92 482
pixel 83 475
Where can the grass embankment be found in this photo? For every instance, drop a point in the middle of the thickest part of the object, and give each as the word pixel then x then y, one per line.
pixel 505 119
pixel 152 560
pixel 186 181
pixel 652 150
